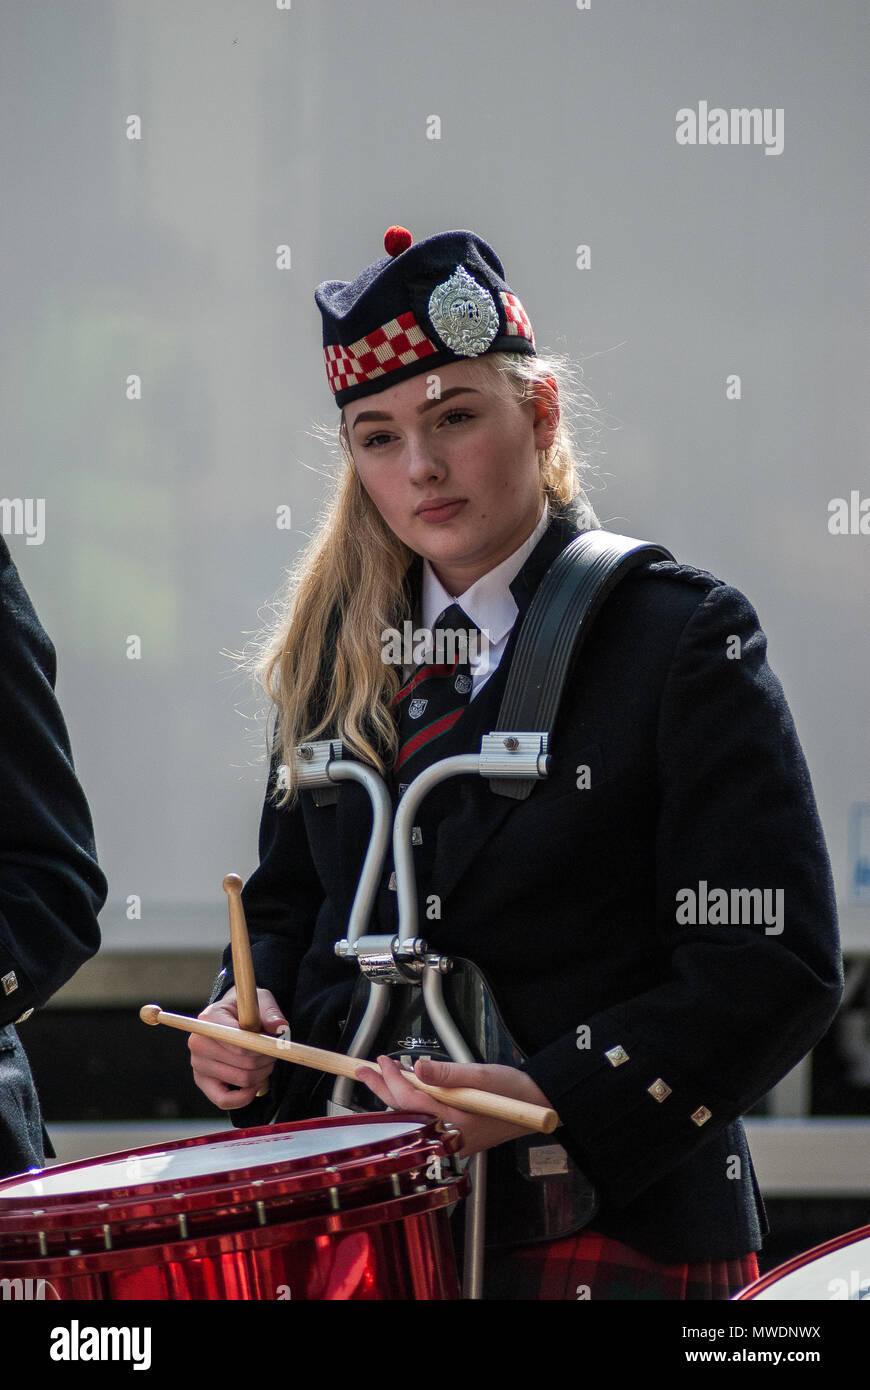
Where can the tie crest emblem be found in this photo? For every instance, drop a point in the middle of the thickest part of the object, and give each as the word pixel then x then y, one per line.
pixel 441 688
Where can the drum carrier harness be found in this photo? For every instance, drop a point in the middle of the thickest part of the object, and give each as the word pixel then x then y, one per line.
pixel 539 1192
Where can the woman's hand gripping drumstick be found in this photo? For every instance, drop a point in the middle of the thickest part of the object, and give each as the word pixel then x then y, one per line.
pixel 444 1082
pixel 228 1074
pixel 510 1110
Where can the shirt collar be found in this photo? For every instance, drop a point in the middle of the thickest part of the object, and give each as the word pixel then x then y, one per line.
pixel 488 602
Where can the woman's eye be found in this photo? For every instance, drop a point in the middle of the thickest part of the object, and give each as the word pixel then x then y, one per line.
pixel 372 441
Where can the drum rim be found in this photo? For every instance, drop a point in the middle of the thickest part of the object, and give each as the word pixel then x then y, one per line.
pixel 789 1266
pixel 385 1212
pixel 15 1207
pixel 126 1212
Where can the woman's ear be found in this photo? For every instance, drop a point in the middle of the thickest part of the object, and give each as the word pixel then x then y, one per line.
pixel 545 396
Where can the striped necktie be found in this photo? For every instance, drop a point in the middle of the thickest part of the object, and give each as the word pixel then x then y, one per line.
pixel 436 695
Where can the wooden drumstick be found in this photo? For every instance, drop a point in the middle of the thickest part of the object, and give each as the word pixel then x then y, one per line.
pixel 243 965
pixel 517 1112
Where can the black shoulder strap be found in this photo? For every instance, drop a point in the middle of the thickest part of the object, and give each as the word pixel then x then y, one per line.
pixel 554 628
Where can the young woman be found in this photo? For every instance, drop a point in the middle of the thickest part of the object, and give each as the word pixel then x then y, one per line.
pixel 657 918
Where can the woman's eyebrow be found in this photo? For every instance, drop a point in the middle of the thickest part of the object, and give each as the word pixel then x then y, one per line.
pixel 427 405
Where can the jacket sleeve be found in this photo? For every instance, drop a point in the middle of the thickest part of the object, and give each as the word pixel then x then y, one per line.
pixel 750 980
pixel 281 900
pixel 51 887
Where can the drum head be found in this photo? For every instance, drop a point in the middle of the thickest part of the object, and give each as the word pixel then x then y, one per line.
pixel 838 1270
pixel 213 1159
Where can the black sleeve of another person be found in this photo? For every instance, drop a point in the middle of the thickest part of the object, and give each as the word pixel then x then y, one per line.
pixel 51 887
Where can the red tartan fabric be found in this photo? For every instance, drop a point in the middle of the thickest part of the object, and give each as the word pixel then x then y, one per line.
pixel 592 1266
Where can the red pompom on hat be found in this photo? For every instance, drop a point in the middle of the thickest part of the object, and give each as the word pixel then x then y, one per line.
pixel 397 240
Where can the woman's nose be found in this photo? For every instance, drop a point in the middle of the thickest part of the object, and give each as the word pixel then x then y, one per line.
pixel 423 459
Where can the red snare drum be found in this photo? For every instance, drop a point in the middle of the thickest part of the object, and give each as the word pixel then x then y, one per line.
pixel 354 1207
pixel 837 1270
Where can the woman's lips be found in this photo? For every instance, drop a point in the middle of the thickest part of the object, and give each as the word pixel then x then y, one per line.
pixel 442 513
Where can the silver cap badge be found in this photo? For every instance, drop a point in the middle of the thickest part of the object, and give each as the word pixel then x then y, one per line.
pixel 463 314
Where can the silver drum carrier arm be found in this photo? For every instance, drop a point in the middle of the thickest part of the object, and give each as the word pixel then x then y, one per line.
pixel 405 958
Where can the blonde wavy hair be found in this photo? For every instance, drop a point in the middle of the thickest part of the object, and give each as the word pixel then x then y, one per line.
pixel 320 662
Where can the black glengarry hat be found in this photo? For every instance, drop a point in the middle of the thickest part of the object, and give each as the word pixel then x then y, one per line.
pixel 419 307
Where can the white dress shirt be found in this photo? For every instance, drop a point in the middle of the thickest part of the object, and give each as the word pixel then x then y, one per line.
pixel 488 602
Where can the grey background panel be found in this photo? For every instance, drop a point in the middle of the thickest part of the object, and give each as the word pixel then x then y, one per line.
pixel 308 127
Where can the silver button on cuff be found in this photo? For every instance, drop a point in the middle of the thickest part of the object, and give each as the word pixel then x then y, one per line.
pixel 659 1090
pixel 616 1056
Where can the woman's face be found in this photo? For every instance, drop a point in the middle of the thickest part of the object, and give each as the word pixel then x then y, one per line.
pixel 454 476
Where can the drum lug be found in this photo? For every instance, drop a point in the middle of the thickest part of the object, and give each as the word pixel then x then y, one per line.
pixel 445 1127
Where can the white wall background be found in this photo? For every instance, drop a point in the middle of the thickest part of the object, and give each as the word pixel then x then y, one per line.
pixel 307 126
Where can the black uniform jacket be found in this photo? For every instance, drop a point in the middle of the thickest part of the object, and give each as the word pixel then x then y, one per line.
pixel 568 901
pixel 51 887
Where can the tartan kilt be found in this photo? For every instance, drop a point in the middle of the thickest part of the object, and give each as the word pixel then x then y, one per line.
pixel 592 1266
